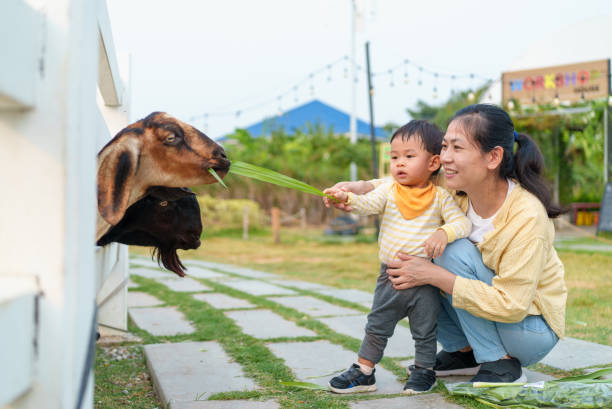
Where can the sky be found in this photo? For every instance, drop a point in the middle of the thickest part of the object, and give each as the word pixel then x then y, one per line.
pixel 226 64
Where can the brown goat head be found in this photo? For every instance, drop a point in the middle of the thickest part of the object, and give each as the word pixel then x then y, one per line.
pixel 158 150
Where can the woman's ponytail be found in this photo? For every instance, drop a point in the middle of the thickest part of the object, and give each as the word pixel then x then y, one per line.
pixel 529 169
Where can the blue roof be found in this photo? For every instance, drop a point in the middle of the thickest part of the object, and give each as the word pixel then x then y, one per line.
pixel 314 112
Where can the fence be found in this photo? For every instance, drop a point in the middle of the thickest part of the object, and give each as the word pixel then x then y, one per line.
pixel 53 121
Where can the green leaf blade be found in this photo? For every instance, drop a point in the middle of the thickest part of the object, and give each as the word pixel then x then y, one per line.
pixel 212 172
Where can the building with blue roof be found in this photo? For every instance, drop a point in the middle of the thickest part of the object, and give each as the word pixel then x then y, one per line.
pixel 313 113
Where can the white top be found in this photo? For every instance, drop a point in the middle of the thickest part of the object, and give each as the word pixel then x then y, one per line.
pixel 481 226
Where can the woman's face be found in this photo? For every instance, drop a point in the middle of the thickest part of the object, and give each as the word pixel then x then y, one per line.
pixel 465 165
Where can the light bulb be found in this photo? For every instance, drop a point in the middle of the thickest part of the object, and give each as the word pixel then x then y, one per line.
pixel 510 105
pixel 556 101
pixel 471 96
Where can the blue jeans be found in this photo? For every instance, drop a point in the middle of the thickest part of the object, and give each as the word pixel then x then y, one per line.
pixel 528 340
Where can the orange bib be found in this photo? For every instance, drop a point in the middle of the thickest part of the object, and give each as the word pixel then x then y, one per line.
pixel 411 201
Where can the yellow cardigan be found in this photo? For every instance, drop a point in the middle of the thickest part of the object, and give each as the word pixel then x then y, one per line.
pixel 529 277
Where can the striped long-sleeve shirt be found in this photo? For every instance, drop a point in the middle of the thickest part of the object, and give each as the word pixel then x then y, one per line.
pixel 408 236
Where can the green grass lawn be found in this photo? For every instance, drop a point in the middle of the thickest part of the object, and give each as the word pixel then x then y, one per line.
pixel 310 256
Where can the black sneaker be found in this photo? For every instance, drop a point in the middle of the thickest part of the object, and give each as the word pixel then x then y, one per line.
pixel 504 370
pixel 456 363
pixel 421 380
pixel 353 381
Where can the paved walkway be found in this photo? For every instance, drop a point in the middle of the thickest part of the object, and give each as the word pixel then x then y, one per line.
pixel 182 371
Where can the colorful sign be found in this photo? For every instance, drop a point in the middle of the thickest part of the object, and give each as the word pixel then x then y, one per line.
pixel 562 83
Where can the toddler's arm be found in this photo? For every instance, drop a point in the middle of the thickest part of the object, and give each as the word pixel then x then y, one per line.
pixel 456 224
pixel 373 202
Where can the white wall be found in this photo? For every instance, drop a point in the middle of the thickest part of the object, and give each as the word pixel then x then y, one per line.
pixel 49 127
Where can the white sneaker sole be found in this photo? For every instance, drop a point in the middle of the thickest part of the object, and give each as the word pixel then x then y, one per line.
pixel 458 372
pixel 354 389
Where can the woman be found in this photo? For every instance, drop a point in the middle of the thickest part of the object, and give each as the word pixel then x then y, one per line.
pixel 503 292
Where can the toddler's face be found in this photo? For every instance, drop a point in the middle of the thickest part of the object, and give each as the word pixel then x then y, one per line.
pixel 411 164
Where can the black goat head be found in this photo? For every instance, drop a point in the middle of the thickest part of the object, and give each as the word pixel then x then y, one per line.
pixel 166 219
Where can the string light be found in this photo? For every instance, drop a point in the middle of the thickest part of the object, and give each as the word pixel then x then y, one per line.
pixel 510 105
pixel 435 88
pixel 309 82
pixel 556 99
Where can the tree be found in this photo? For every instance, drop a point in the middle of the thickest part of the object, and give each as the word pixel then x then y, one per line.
pixel 315 155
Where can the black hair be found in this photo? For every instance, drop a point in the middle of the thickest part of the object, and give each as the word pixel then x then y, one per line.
pixel 429 134
pixel 491 126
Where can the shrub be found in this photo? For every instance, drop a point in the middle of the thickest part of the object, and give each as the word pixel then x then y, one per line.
pixel 229 212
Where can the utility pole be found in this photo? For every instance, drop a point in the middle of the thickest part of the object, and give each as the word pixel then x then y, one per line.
pixel 370 94
pixel 372 133
pixel 353 120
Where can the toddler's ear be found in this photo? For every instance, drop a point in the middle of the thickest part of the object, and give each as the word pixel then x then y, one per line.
pixel 434 163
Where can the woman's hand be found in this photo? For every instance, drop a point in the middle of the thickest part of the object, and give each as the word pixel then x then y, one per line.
pixel 413 271
pixel 359 188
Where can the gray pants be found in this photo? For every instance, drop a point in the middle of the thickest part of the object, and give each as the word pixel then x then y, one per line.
pixel 420 304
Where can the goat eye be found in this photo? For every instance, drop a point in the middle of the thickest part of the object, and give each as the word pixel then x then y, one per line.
pixel 172 139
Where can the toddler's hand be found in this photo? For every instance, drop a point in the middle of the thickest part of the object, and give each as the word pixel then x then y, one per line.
pixel 436 243
pixel 340 194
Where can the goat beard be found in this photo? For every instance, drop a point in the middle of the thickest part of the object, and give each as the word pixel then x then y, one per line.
pixel 169 258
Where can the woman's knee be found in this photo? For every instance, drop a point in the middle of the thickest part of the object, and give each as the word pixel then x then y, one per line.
pixel 529 341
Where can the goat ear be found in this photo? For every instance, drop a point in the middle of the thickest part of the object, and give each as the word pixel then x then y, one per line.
pixel 117 167
pixel 169 193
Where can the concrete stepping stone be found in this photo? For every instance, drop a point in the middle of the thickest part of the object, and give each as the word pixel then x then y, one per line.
pixel 248 272
pixel 255 287
pixel 227 404
pixel 302 285
pixel 399 345
pixel 201 272
pixel 206 264
pixel 319 361
pixel 183 284
pixel 223 301
pixel 265 324
pixel 148 273
pixel 428 401
pixel 161 321
pixel 136 299
pixel 313 306
pixel 351 295
pixel 243 271
pixel 145 262
pixel 571 353
pixel 186 371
